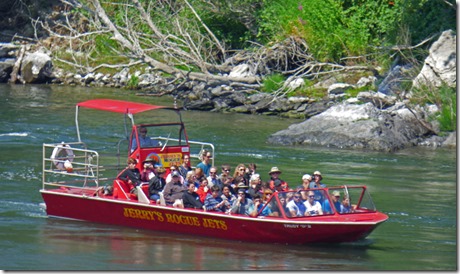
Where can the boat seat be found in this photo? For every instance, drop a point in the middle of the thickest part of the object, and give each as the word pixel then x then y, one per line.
pixel 121 190
pixel 145 189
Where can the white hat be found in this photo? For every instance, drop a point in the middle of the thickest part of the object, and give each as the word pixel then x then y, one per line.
pixel 317 173
pixel 306 177
pixel 254 177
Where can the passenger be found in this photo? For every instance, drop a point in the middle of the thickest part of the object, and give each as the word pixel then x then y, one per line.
pixel 264 186
pixel 174 190
pixel 185 166
pixel 227 195
pixel 296 206
pixel 191 179
pixel 203 189
pixel 213 179
pixel 258 205
pixel 283 204
pixel 239 175
pixel 157 184
pixel 276 184
pixel 131 175
pixel 242 205
pixel 306 180
pixel 254 185
pixel 199 175
pixel 305 186
pixel 335 197
pixel 144 140
pixel 213 202
pixel 227 181
pixel 250 170
pixel 272 206
pixel 169 177
pixel 312 206
pixel 191 199
pixel 205 164
pixel 345 207
pixel 148 172
pixel 225 170
pixel 242 186
pixel 317 180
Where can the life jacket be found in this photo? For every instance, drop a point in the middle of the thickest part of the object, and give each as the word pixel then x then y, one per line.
pixel 278 185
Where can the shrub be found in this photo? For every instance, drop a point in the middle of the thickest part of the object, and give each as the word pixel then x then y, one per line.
pixel 272 83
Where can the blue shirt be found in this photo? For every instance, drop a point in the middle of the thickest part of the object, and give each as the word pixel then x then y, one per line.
pixel 327 206
pixel 210 203
pixel 205 168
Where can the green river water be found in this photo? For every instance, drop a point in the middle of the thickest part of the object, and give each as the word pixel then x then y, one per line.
pixel 416 187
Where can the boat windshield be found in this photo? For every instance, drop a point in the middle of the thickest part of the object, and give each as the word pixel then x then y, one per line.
pixel 160 135
pixel 330 201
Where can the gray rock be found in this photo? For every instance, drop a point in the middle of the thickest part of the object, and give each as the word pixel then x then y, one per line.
pixel 354 126
pixel 440 66
pixel 36 68
pixel 6 67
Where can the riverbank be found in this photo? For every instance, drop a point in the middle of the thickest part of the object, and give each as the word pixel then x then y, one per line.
pixel 367 113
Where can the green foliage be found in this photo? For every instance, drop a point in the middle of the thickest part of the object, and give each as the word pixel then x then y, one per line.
pixel 424 18
pixel 445 98
pixel 133 82
pixel 448 113
pixel 272 83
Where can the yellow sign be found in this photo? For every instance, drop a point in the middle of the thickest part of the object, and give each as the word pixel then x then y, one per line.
pixel 179 219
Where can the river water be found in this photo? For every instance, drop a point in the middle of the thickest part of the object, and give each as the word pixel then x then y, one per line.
pixel 416 187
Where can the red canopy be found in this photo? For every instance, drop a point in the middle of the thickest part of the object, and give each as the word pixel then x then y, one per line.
pixel 118 106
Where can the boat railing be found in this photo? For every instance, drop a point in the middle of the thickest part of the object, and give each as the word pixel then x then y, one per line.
pixel 70 164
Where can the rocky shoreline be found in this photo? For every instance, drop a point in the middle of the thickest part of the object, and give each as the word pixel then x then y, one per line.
pixel 375 120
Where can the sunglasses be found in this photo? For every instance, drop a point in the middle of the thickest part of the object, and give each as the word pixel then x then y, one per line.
pixel 311 196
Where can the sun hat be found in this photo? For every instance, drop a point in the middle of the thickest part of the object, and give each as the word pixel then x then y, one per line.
pixel 306 177
pixel 274 169
pixel 335 193
pixel 317 173
pixel 241 185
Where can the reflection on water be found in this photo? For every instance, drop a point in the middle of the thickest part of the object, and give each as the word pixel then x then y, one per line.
pixel 129 249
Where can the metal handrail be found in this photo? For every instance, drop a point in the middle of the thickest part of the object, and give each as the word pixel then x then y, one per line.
pixel 85 165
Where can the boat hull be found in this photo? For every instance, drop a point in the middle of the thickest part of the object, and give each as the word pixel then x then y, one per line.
pixel 299 231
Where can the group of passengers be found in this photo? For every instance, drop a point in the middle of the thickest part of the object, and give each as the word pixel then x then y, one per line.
pixel 243 193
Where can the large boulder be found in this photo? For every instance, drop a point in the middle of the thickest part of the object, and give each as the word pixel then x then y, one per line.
pixel 356 126
pixel 36 68
pixel 440 66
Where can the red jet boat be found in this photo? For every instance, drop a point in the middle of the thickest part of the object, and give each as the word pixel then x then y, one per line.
pixel 73 176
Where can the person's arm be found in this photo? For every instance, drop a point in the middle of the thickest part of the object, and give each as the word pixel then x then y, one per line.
pixel 255 210
pixel 319 208
pixel 236 205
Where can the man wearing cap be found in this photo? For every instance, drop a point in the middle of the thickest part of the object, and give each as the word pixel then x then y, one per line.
pixel 242 205
pixel 335 197
pixel 157 184
pixel 276 184
pixel 174 190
